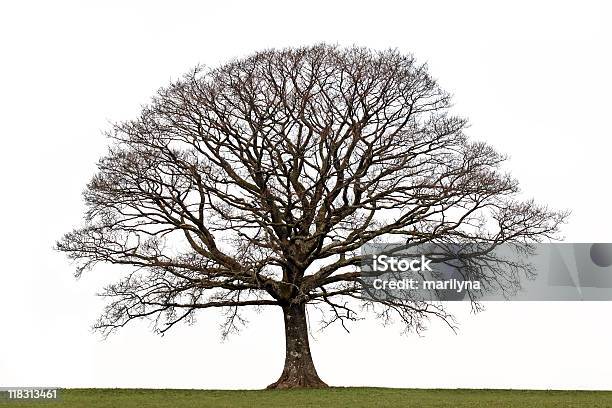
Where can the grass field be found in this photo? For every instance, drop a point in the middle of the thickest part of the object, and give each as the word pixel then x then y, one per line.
pixel 332 397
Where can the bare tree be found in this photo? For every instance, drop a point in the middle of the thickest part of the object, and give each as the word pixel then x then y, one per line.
pixel 256 184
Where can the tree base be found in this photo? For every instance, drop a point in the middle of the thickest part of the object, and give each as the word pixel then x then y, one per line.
pixel 285 383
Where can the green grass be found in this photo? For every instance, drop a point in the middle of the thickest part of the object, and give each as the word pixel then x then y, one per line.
pixel 332 397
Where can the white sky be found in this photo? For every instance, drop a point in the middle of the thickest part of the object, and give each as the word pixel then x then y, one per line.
pixel 533 79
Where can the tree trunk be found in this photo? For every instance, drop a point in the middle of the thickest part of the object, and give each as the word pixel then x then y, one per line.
pixel 299 371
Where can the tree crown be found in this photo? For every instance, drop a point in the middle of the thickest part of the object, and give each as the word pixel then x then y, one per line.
pixel 257 182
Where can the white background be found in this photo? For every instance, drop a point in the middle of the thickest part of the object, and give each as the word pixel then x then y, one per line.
pixel 533 77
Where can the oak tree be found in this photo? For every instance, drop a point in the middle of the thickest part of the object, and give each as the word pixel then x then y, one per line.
pixel 256 183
